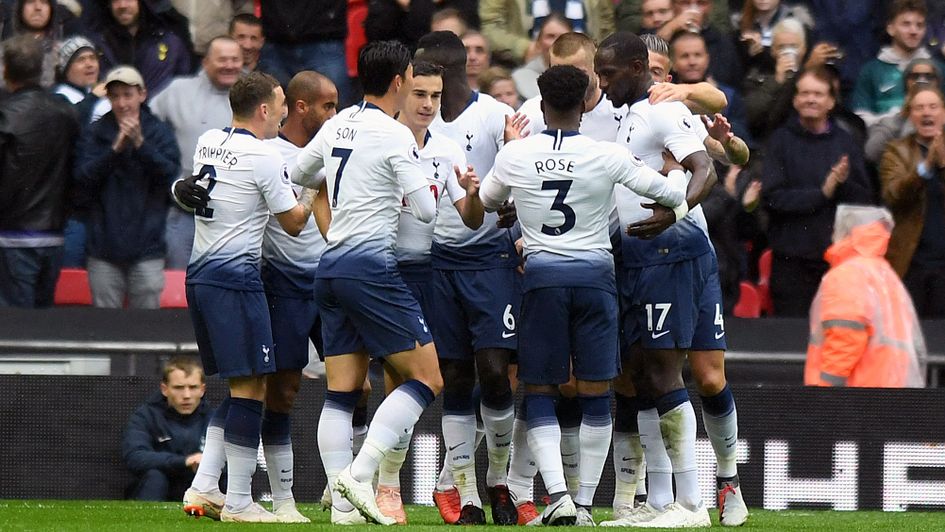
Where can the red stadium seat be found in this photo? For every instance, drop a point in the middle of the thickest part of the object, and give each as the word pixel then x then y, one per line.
pixel 764 282
pixel 174 295
pixel 749 304
pixel 72 288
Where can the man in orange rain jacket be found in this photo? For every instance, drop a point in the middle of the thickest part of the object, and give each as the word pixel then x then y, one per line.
pixel 863 327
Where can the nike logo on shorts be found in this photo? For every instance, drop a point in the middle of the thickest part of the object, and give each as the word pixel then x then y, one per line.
pixel 454 447
pixel 655 336
pixel 719 335
pixel 507 334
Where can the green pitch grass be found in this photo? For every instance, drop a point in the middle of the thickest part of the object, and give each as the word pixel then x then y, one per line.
pixel 123 516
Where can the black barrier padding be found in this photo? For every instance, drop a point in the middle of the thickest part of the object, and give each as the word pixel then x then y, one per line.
pixel 61 437
pixel 173 325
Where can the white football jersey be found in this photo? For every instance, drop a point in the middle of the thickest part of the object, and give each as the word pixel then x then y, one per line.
pixel 246 179
pixel 371 163
pixel 563 187
pixel 479 130
pixel 646 131
pixel 437 157
pixel 600 123
pixel 296 258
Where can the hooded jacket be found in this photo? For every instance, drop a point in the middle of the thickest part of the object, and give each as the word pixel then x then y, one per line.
pixel 127 191
pixel 863 327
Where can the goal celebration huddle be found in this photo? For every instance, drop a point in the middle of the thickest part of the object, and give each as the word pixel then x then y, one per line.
pixel 558 253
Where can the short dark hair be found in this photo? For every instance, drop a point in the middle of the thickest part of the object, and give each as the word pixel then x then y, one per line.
pixel 185 363
pixel 824 74
pixel 250 91
pixel 443 48
pixel 244 18
pixel 681 35
pixel 554 16
pixel 899 7
pixel 447 12
pixel 379 63
pixel 626 46
pixel 23 60
pixel 426 68
pixel 563 87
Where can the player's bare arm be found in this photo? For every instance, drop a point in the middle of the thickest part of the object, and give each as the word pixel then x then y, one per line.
pixel 293 221
pixel 322 210
pixel 700 98
pixel 703 179
pixel 470 208
pixel 723 145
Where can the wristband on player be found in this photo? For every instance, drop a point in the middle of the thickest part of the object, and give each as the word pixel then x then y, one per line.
pixel 177 201
pixel 681 210
pixel 679 177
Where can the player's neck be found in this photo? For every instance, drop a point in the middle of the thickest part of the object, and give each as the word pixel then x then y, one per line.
pixel 564 121
pixel 295 133
pixel 456 93
pixel 386 103
pixel 257 130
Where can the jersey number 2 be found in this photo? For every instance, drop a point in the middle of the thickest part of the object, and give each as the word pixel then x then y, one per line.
pixel 210 173
pixel 562 186
pixel 343 154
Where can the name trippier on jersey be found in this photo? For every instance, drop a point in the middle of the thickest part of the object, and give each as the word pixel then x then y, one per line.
pixel 223 155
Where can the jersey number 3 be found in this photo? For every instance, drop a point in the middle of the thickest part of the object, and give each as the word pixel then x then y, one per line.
pixel 344 154
pixel 562 186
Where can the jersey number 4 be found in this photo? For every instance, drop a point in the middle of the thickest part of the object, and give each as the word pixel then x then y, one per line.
pixel 344 154
pixel 562 186
pixel 209 173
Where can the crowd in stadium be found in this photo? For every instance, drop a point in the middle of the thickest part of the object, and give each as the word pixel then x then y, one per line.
pixel 874 55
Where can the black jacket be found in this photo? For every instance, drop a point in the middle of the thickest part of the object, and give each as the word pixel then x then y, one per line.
pixel 37 134
pixel 157 437
pixel 127 191
pixel 295 22
pixel 796 164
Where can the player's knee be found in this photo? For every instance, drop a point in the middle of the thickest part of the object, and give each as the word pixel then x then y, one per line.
pixel 435 382
pixel 708 374
pixel 710 381
pixel 280 399
pixel 459 374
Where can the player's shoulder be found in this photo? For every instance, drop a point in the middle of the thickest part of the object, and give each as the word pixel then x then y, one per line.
pixel 643 106
pixel 439 145
pixel 531 106
pixel 489 107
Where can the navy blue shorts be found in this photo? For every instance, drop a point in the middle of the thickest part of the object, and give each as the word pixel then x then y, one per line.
pixel 568 330
pixel 673 306
pixel 295 321
pixel 233 331
pixel 475 309
pixel 379 318
pixel 420 284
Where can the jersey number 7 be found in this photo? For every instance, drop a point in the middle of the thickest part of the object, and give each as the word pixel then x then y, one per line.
pixel 344 154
